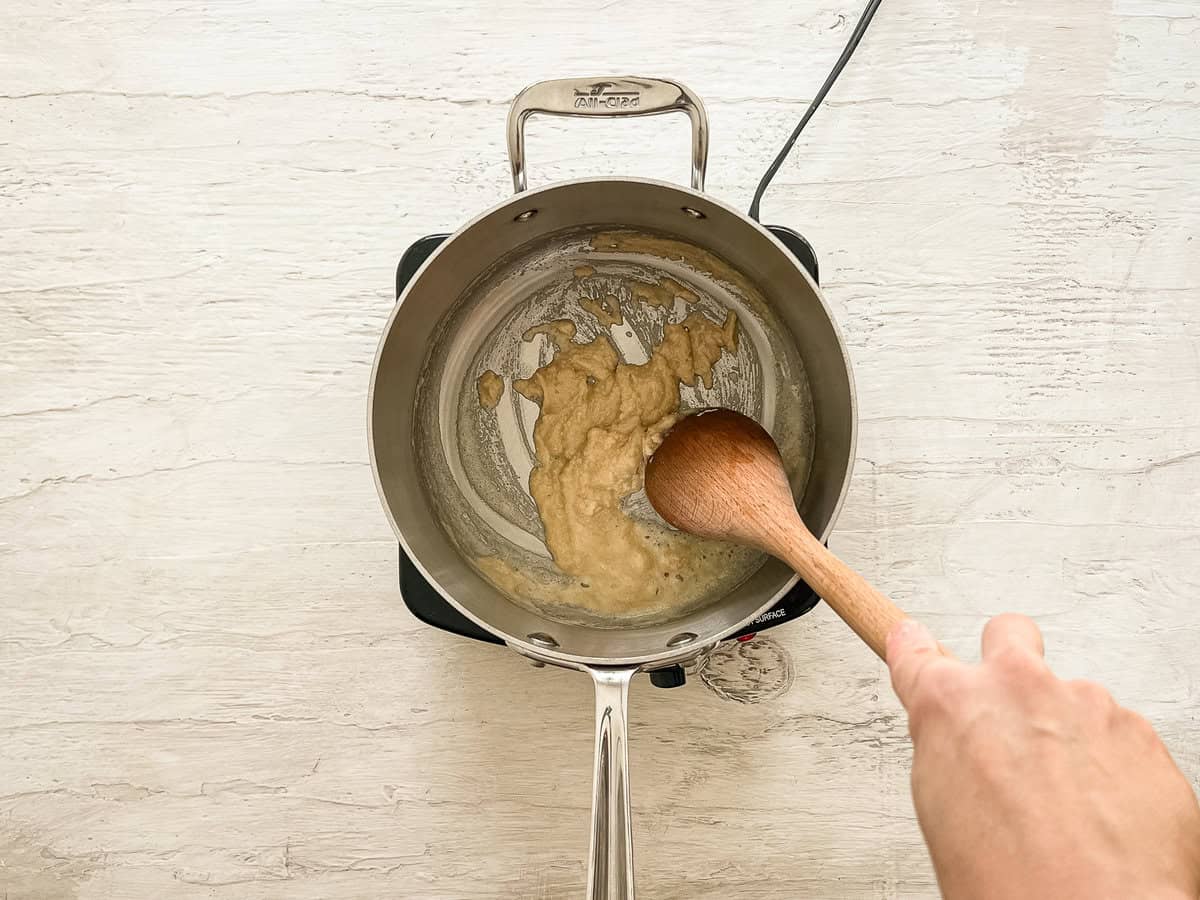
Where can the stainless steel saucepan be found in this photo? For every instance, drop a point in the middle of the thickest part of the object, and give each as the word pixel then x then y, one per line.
pixel 453 476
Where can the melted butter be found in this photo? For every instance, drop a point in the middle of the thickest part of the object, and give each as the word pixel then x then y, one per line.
pixel 646 244
pixel 600 419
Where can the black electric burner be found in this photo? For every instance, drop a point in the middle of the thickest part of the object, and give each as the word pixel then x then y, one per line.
pixel 424 602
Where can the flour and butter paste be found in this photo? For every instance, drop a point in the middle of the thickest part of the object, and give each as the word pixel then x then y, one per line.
pixel 491 389
pixel 600 419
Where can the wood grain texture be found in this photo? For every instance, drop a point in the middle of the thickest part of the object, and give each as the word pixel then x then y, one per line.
pixel 209 687
pixel 718 474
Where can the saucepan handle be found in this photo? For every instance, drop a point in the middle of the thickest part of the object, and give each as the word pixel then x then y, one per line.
pixel 610 860
pixel 607 98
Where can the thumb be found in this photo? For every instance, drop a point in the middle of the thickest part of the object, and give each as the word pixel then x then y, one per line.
pixel 910 648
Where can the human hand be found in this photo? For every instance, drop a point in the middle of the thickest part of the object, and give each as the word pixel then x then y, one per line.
pixel 1033 788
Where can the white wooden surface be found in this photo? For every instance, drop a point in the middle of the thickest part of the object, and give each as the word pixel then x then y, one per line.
pixel 209 687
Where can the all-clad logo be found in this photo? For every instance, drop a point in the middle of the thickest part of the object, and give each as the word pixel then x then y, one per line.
pixel 602 95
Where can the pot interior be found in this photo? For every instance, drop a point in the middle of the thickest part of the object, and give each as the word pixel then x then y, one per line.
pixel 454 412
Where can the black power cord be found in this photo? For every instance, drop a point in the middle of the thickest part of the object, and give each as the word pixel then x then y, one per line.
pixel 859 30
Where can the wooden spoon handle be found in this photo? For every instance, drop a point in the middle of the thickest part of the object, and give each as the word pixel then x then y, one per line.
pixel 869 613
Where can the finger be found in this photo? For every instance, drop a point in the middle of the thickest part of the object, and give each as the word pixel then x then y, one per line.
pixel 910 649
pixel 1010 631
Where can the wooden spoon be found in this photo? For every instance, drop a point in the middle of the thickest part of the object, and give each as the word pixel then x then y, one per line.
pixel 718 474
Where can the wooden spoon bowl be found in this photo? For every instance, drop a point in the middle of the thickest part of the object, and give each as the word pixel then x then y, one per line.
pixel 718 474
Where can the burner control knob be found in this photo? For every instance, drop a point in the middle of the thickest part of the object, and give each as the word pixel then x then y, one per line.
pixel 670 677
